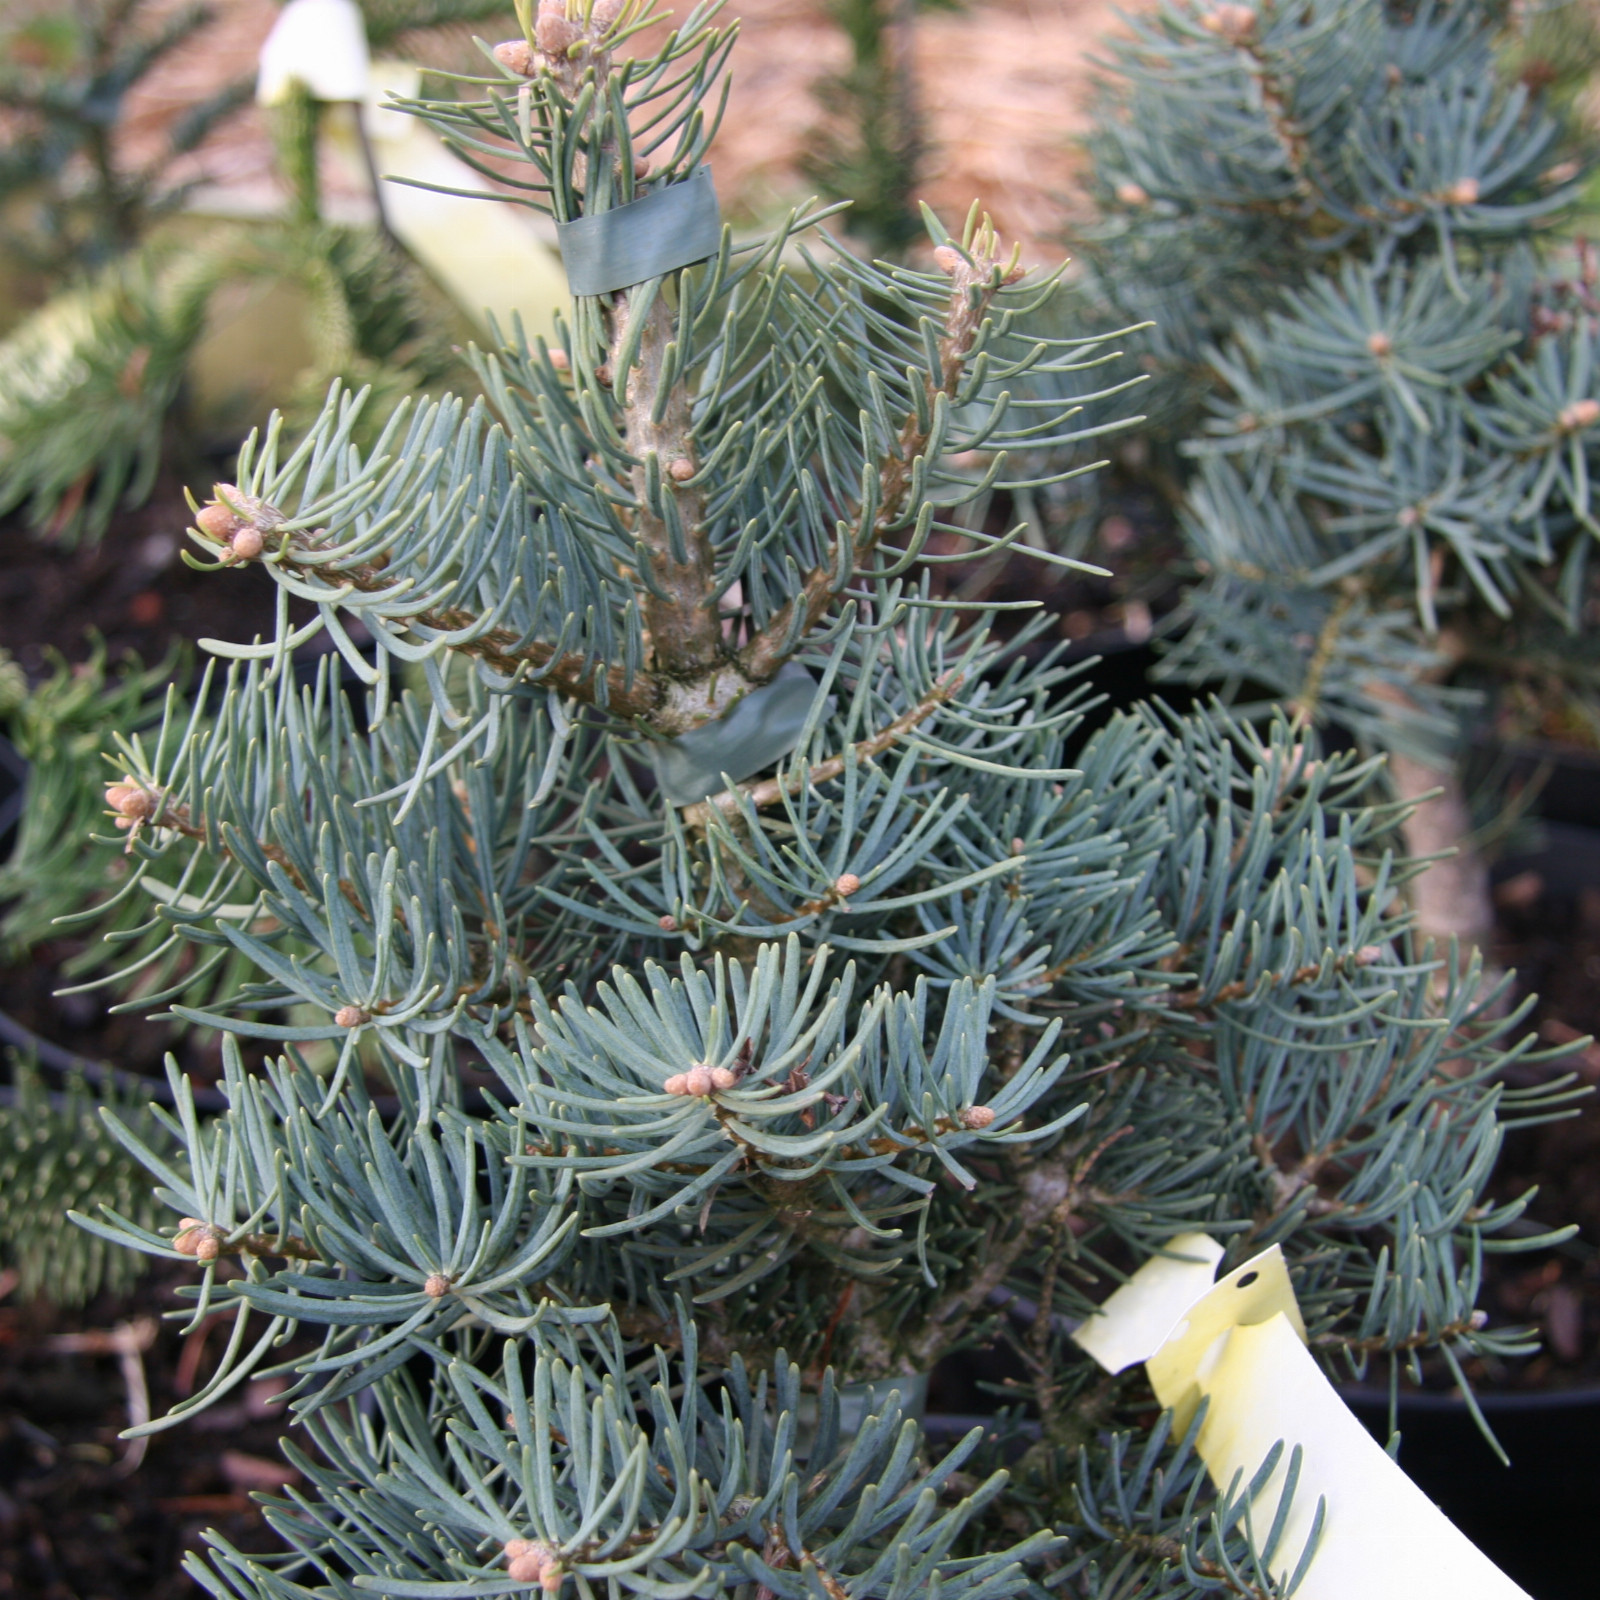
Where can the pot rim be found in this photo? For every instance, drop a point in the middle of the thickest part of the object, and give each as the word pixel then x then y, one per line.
pixel 1587 1394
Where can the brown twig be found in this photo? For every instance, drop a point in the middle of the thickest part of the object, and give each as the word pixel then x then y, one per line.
pixel 1378 1344
pixel 972 290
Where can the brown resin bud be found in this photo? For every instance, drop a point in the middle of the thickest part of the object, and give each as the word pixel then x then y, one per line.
pixel 556 35
pixel 1463 192
pixel 723 1078
pixel 1233 23
pixel 681 470
pixel 527 1560
pixel 678 1083
pixel 131 800
pixel 436 1286
pixel 697 1081
pixel 976 1117
pixel 947 258
pixel 1380 345
pixel 516 55
pixel 667 924
pixel 1133 194
pixel 217 522
pixel 846 884
pixel 351 1016
pixel 198 1239
pixel 1580 414
pixel 237 520
pixel 246 544
pixel 560 360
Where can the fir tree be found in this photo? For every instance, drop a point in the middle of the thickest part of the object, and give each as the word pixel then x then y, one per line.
pixel 631 1128
pixel 1379 388
pixel 73 200
pixel 871 149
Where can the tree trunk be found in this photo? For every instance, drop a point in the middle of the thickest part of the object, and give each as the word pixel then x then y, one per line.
pixel 1451 898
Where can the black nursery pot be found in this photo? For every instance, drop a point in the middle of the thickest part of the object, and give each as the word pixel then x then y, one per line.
pixel 1568 779
pixel 1535 1519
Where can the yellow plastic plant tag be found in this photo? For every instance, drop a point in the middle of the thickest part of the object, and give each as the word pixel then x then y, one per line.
pixel 1250 1294
pixel 1134 1323
pixel 1382 1538
pixel 1239 1344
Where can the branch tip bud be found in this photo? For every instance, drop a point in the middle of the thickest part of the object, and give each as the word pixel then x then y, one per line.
pixel 246 544
pixel 1234 23
pixel 530 1560
pixel 1580 414
pixel 217 522
pixel 202 1240
pixel 517 55
pixel 131 801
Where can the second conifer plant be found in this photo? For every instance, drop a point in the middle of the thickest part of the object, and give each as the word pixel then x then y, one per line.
pixel 1374 365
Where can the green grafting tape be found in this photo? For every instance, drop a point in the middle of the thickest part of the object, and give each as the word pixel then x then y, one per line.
pixel 671 228
pixel 763 726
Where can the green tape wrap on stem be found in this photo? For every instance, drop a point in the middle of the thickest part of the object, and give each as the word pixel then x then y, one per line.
pixel 761 728
pixel 667 229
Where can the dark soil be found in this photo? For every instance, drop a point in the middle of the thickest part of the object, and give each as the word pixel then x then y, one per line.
pixel 1549 911
pixel 133 589
pixel 76 1525
pixel 75 1522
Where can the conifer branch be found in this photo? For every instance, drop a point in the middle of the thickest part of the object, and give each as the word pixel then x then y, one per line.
pixel 244 526
pixel 975 280
pixel 680 600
